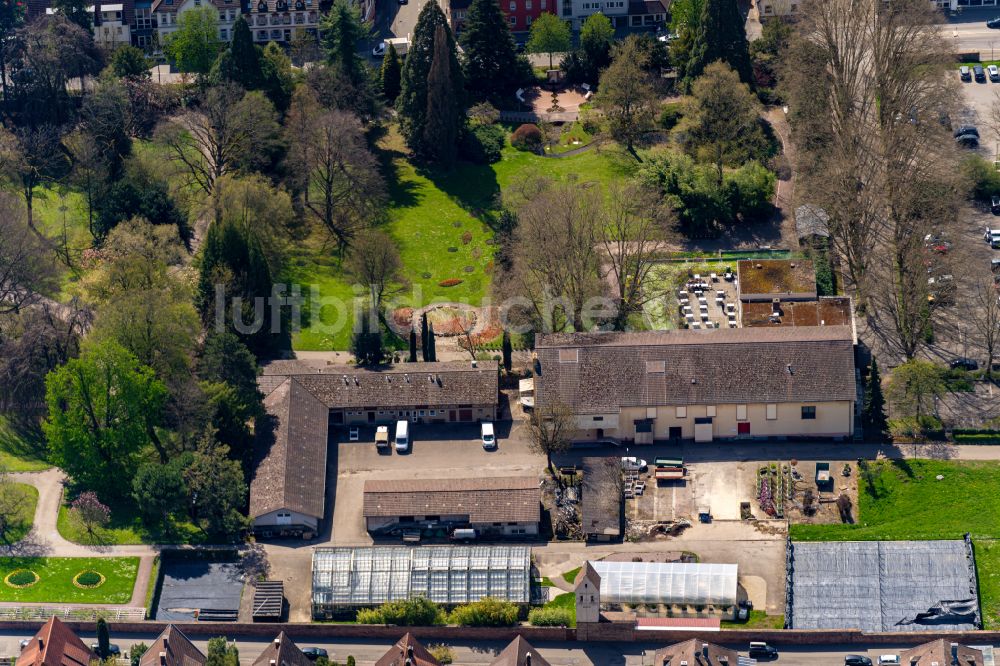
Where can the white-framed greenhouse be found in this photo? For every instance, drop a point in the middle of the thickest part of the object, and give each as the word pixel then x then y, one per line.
pixel 667 583
pixel 368 576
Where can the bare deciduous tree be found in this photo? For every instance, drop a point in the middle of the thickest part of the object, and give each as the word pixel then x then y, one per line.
pixel 550 431
pixel 26 265
pixel 984 315
pixel 229 130
pixel 374 262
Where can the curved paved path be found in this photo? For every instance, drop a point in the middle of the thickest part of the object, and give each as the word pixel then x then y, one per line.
pixel 44 539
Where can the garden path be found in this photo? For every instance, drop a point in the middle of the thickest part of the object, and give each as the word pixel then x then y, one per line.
pixel 44 539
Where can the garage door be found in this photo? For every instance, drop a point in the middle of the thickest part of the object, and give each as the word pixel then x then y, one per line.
pixel 465 415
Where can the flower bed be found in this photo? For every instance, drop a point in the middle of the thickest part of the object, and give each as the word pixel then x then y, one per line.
pixel 450 282
pixel 21 578
pixel 88 579
pixel 448 320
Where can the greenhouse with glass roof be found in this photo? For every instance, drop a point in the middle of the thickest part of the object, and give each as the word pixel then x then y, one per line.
pixel 634 583
pixel 345 578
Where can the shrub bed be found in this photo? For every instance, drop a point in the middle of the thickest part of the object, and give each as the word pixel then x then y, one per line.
pixel 88 580
pixel 527 137
pixel 550 617
pixel 450 282
pixel 21 578
pixel 487 612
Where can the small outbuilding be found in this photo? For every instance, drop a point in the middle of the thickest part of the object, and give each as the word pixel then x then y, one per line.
pixel 601 501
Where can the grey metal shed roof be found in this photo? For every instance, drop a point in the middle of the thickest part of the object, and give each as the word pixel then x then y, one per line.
pixel 880 585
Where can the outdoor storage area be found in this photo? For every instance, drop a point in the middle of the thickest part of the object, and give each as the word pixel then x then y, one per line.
pixel 883 586
pixel 345 578
pixel 198 589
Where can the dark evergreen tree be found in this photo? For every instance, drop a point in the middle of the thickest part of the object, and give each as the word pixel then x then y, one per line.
pixel 412 102
pixel 873 409
pixel 444 116
pixel 721 36
pixel 492 68
pixel 413 345
pixel 392 70
pixel 341 31
pixel 234 271
pixel 103 639
pixel 431 348
pixel 240 63
pixel 423 338
pixel 507 350
pixel 367 343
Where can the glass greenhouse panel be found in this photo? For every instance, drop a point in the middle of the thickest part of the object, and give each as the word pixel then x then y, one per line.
pixel 667 583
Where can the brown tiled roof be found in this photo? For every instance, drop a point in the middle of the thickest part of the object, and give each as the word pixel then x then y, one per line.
pixel 291 456
pixel 940 652
pixel 397 654
pixel 400 385
pixel 596 373
pixel 695 652
pixel 826 311
pixel 164 8
pixel 640 7
pixel 600 499
pixel 776 276
pixel 172 648
pixel 282 652
pixel 484 499
pixel 587 572
pixel 55 644
pixel 515 654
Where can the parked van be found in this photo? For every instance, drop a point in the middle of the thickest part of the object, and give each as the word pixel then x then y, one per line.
pixel 489 439
pixel 382 438
pixel 402 436
pixel 464 534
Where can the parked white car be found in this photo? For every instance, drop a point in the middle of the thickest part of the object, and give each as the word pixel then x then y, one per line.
pixel 889 660
pixel 633 464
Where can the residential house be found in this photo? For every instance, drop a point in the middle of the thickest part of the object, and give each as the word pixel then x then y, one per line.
pixel 282 652
pixel 519 653
pixel 701 385
pixel 408 651
pixel 172 648
pixel 167 13
pixel 493 506
pixel 55 644
pixel 281 20
pixel 111 26
pixel 696 651
pixel 520 13
pixel 941 653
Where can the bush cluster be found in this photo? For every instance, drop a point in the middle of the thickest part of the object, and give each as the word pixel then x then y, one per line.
pixel 483 144
pixel 487 612
pixel 527 137
pixel 415 612
pixel 550 617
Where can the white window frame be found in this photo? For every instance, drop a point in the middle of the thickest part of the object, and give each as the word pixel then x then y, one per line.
pixel 681 412
pixel 772 411
pixel 710 410
pixel 741 412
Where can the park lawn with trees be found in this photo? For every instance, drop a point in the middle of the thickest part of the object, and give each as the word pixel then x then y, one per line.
pixel 18 502
pixel 424 204
pixel 125 528
pixel 18 453
pixel 902 499
pixel 55 579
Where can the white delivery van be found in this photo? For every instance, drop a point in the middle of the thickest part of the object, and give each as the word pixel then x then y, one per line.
pixel 463 534
pixel 489 439
pixel 402 436
pixel 401 44
pixel 382 438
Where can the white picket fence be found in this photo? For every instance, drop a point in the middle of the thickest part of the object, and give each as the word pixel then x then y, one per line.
pixel 78 613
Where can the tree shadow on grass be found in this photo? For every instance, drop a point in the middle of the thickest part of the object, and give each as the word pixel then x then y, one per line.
pixel 473 187
pixel 402 193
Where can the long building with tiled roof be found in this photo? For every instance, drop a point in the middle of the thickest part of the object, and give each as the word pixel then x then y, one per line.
pixel 702 385
pixel 303 399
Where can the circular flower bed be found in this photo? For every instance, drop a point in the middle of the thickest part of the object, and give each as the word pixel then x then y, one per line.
pixel 21 578
pixel 451 320
pixel 88 580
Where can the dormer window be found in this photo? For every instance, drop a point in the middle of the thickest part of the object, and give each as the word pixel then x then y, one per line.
pixel 300 5
pixel 281 6
pixel 262 6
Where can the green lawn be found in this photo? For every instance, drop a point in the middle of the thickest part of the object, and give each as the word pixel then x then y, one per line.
pixel 20 525
pixel 20 452
pixel 55 579
pixel 570 576
pixel 988 570
pixel 904 500
pixel 441 222
pixel 758 620
pixel 565 601
pixel 125 528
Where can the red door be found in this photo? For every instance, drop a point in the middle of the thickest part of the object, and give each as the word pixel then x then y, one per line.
pixel 743 428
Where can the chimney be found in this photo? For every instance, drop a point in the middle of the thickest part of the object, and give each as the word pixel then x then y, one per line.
pixel 790 369
pixel 704 650
pixel 430 378
pixel 277 642
pixel 346 383
pixel 409 651
pixel 406 377
pixel 273 662
pixel 474 363
pixel 356 381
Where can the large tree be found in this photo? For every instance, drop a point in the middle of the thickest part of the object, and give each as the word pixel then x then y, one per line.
pixel 549 34
pixel 374 262
pixel 230 130
pixel 445 117
pixel 391 73
pixel 342 29
pixel 78 11
pixel 26 265
pixel 11 18
pixel 240 62
pixel 915 387
pixel 412 103
pixel 492 68
pixel 194 46
pixel 218 489
pixel 984 314
pixel 550 431
pixel 722 119
pixel 102 408
pixel 721 36
pixel 29 157
pixel 626 95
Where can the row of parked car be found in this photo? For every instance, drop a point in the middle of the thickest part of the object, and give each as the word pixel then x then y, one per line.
pixel 979 73
pixel 763 652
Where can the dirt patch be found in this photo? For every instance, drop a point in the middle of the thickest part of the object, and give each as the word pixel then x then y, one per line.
pixel 822 508
pixel 449 320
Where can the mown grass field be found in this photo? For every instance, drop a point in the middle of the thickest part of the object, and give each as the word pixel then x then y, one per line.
pixel 55 579
pixel 17 452
pixel 441 222
pixel 125 528
pixel 20 524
